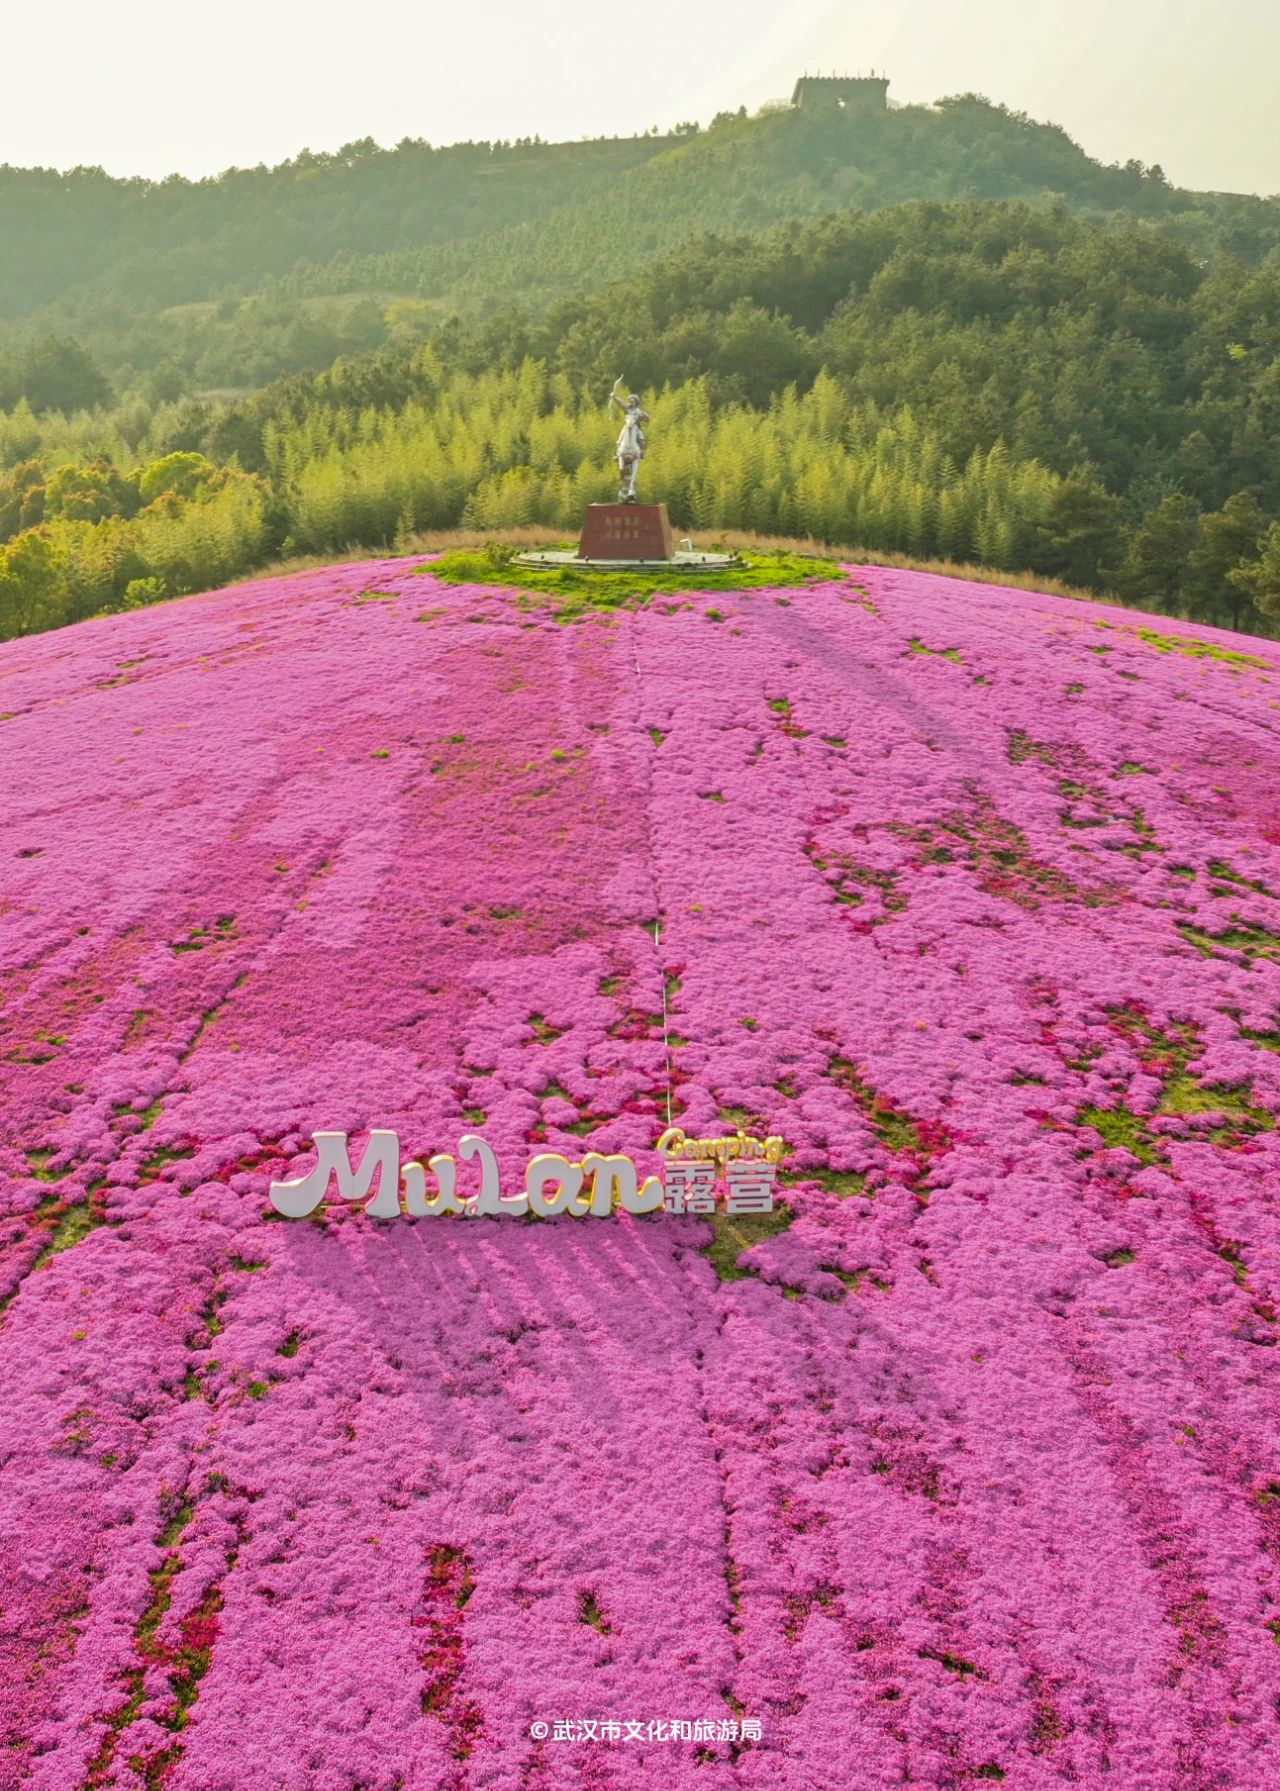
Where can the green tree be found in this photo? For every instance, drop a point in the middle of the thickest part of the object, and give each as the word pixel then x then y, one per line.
pixel 30 584
pixel 58 373
pixel 761 353
pixel 1154 568
pixel 1080 532
pixel 1226 538
pixel 182 474
pixel 1260 579
pixel 88 493
pixel 22 493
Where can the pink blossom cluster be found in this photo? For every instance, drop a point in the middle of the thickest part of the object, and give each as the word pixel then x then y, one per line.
pixel 970 1474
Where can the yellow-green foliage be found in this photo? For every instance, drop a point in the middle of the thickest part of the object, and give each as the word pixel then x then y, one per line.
pixel 504 450
pixel 67 569
pixel 494 452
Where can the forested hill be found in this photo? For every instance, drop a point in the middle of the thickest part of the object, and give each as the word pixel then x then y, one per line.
pixel 232 281
pixel 988 381
pixel 175 240
pixel 941 331
pixel 1074 344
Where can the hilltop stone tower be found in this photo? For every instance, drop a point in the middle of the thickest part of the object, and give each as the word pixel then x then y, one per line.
pixel 856 93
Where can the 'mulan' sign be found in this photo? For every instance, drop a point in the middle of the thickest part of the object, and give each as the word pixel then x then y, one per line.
pixel 594 1187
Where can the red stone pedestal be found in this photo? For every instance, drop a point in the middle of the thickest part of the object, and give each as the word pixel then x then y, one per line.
pixel 625 532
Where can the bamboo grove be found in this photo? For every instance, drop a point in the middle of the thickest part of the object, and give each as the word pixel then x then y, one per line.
pixel 504 450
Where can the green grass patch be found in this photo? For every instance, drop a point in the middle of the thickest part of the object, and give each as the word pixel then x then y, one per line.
pixel 1224 873
pixel 174 1528
pixel 754 1124
pixel 1251 942
pixel 1231 1254
pixel 851 1278
pixel 732 1233
pixel 39 1161
pixel 73 1227
pixel 896 1130
pixel 589 1612
pixel 844 1184
pixel 954 1663
pixel 1000 857
pixel 573 591
pixel 1183 1094
pixel 1020 747
pixel 583 1128
pixel 1120 1129
pixel 64 1228
pixel 1193 649
pixel 151 1168
pixel 1160 1052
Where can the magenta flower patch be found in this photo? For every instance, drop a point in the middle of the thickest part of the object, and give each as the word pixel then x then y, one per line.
pixel 968 1473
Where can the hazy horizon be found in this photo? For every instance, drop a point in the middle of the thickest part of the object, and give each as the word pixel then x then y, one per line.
pixel 1174 83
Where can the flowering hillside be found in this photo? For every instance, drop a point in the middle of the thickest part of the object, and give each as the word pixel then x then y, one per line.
pixel 969 1473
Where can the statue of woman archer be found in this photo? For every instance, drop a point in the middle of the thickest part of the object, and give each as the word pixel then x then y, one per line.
pixel 631 441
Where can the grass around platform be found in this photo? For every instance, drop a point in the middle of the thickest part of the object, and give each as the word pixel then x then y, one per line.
pixel 579 589
pixel 439 541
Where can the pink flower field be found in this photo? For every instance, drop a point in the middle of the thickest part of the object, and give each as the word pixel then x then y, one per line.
pixel 969 1473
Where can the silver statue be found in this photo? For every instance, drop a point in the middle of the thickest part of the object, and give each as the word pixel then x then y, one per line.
pixel 631 441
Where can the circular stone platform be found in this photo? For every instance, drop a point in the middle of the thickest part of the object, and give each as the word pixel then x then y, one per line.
pixel 552 559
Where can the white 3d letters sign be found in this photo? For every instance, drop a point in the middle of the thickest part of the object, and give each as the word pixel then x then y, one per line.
pixel 594 1187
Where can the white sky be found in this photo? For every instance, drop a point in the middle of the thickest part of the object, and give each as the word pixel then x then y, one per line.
pixel 153 88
